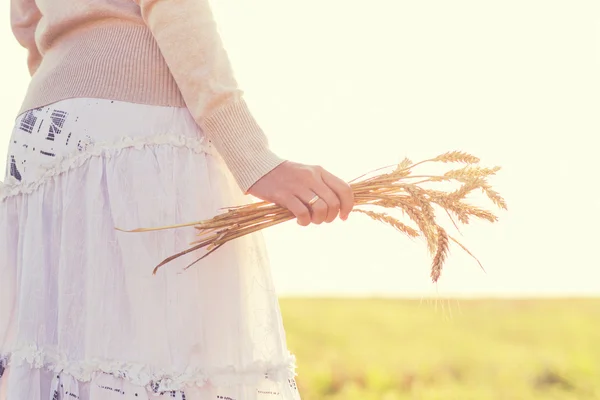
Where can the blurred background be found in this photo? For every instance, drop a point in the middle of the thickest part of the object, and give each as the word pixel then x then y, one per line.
pixel 354 86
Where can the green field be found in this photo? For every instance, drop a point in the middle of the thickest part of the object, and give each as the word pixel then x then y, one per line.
pixel 439 349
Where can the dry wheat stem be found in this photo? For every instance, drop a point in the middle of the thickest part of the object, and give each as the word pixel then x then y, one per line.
pixel 390 221
pixel 399 189
pixel 215 241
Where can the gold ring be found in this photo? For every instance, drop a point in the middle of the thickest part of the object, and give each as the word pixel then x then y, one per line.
pixel 313 200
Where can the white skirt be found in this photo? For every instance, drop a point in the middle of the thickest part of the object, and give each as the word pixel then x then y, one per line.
pixel 81 315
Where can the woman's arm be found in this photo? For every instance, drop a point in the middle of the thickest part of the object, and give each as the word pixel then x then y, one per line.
pixel 187 36
pixel 24 17
pixel 186 33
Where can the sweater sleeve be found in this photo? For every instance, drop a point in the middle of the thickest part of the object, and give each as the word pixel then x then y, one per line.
pixel 187 35
pixel 24 18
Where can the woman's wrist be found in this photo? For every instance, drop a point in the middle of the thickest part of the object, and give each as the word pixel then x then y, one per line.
pixel 241 143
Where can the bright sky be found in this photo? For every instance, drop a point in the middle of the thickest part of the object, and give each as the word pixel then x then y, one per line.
pixel 355 87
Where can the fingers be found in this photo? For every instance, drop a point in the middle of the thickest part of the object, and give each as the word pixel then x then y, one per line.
pixel 328 199
pixel 321 209
pixel 343 192
pixel 299 209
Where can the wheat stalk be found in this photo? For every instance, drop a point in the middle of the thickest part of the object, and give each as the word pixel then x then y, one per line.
pixel 398 189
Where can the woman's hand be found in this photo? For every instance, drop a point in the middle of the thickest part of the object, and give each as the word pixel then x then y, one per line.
pixel 292 185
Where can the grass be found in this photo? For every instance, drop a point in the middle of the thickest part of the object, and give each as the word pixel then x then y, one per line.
pixel 354 349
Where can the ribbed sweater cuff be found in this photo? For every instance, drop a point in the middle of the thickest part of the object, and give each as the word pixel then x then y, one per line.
pixel 241 142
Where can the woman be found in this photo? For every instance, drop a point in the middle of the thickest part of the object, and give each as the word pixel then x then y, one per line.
pixel 132 119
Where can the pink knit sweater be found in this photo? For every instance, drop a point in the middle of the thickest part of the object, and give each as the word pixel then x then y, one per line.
pixel 160 52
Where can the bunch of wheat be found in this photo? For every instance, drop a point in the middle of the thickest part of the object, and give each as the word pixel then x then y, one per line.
pixel 397 189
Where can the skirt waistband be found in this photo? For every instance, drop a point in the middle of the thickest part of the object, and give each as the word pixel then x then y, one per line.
pixel 43 135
